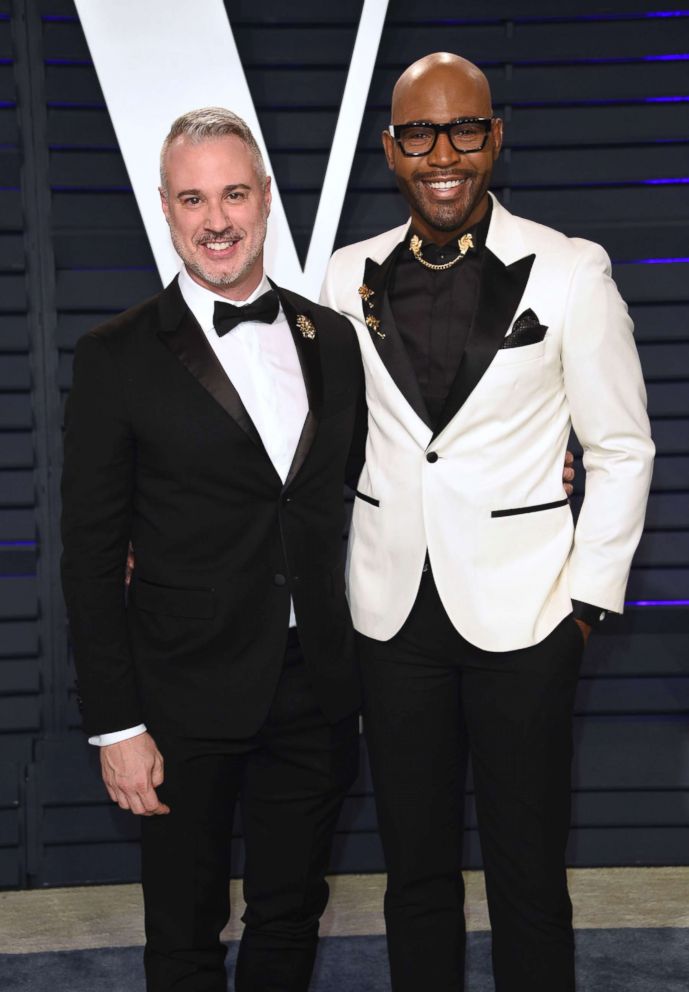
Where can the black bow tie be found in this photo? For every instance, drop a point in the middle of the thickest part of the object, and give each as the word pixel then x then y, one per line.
pixel 227 315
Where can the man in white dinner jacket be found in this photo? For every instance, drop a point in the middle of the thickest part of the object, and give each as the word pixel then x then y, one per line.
pixel 485 338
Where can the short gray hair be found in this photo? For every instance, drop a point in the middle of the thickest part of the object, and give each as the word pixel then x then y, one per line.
pixel 211 122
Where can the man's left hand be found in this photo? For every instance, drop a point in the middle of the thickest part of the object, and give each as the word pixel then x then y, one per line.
pixel 568 473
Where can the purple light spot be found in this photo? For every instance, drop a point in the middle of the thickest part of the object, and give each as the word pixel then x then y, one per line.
pixel 665 58
pixel 66 105
pixel 665 182
pixel 611 102
pixel 576 18
pixel 82 62
pixel 17 544
pixel 654 261
pixel 657 602
pixel 113 148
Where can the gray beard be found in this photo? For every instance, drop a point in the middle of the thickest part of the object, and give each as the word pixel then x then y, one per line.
pixel 222 278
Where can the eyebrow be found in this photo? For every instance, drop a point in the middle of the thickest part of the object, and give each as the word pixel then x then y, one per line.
pixel 226 189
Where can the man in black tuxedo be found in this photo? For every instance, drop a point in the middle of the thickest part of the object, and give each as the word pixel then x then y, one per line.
pixel 210 426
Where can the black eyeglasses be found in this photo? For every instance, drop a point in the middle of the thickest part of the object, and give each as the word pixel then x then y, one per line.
pixel 466 135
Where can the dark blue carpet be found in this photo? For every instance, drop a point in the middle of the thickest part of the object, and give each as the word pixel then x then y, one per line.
pixel 607 960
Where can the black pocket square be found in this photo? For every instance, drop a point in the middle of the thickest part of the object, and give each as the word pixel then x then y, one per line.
pixel 527 329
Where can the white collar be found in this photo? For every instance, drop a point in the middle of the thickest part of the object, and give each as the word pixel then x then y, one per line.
pixel 201 301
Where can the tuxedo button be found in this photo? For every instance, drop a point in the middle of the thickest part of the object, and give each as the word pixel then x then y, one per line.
pixel 279 579
pixel 432 456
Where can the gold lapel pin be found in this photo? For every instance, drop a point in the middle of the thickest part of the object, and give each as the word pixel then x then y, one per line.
pixel 365 293
pixel 306 326
pixel 374 325
pixel 465 244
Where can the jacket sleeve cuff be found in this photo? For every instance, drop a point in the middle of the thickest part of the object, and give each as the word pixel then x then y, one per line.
pixel 592 615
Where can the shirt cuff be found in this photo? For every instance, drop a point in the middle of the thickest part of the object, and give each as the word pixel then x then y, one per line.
pixel 102 740
pixel 592 615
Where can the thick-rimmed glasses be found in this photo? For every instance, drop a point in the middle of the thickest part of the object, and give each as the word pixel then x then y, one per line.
pixel 466 135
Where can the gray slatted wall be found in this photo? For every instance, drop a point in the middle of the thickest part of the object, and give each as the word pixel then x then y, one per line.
pixel 19 677
pixel 593 120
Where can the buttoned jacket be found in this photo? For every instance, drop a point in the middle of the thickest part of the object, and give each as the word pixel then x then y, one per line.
pixel 160 450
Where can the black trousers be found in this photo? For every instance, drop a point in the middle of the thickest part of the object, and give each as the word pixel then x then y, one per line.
pixel 290 780
pixel 427 692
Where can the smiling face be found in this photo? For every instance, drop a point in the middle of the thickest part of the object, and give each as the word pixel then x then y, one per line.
pixel 217 207
pixel 447 191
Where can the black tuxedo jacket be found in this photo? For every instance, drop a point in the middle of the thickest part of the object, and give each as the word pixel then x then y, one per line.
pixel 160 450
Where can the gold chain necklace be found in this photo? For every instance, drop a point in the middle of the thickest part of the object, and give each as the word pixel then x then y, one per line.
pixel 464 244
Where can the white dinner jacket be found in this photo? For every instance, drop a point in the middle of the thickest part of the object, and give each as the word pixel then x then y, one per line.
pixel 507 563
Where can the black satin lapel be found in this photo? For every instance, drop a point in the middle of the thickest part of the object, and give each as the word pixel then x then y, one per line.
pixel 374 290
pixel 183 336
pixel 309 352
pixel 306 439
pixel 500 290
pixel 386 336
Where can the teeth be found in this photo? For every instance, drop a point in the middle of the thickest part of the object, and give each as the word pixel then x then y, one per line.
pixel 446 184
pixel 218 245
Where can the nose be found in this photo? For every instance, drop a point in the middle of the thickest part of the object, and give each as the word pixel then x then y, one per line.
pixel 443 153
pixel 217 214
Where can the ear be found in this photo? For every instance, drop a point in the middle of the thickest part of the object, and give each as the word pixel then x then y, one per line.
pixel 389 149
pixel 164 204
pixel 496 136
pixel 268 194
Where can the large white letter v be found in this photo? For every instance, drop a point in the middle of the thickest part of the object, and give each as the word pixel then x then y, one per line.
pixel 158 59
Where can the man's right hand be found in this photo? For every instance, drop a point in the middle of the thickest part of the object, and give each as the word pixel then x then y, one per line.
pixel 132 770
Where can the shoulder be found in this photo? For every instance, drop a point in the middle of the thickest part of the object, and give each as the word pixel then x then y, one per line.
pixel 120 333
pixel 560 247
pixel 378 247
pixel 346 268
pixel 321 315
pixel 116 330
pixel 337 339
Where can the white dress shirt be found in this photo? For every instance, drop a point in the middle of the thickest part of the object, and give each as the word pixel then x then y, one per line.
pixel 262 362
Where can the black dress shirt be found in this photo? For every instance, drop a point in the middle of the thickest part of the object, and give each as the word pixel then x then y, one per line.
pixel 433 310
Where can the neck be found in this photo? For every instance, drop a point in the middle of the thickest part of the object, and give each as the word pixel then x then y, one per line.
pixel 237 292
pixel 442 237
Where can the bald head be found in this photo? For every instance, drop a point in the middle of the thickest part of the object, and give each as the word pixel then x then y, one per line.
pixel 446 187
pixel 439 75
